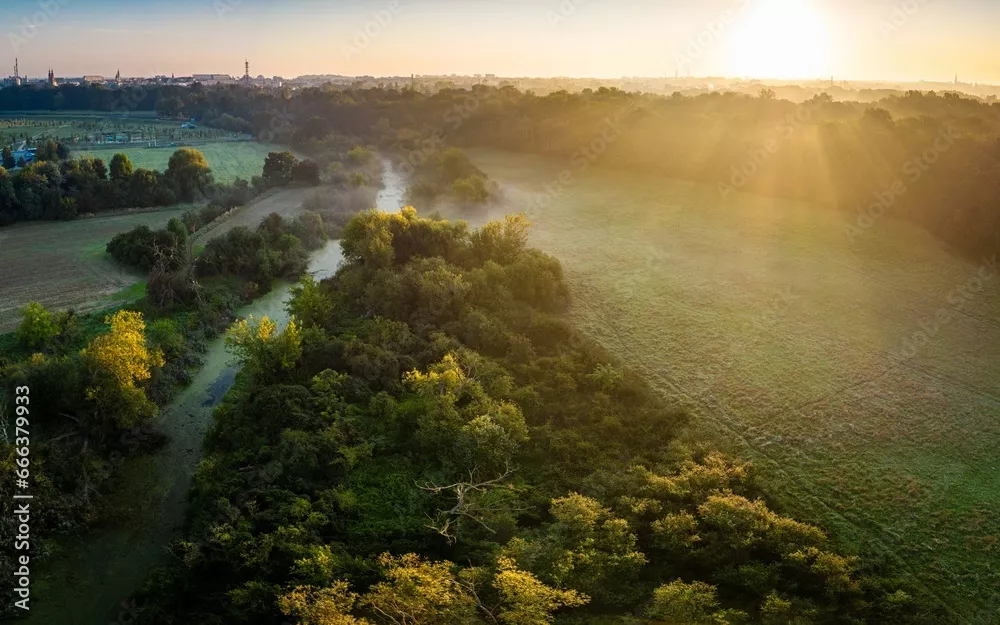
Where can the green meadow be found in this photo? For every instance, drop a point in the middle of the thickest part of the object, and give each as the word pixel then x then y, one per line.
pixel 862 377
pixel 239 159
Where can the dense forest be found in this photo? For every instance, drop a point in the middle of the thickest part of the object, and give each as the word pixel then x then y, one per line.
pixel 429 441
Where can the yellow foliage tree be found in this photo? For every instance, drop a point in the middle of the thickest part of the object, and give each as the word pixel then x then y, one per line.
pixel 321 606
pixel 118 362
pixel 527 601
pixel 418 592
pixel 444 378
pixel 257 344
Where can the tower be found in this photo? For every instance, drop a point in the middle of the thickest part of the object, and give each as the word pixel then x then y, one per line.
pixel 52 78
pixel 246 72
pixel 118 78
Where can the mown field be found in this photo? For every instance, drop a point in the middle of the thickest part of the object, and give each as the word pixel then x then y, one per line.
pixel 862 378
pixel 240 159
pixel 63 264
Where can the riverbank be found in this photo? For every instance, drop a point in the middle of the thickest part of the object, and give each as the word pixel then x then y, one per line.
pixel 91 578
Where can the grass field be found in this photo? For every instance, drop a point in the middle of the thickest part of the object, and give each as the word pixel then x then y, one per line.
pixel 63 264
pixel 863 379
pixel 242 159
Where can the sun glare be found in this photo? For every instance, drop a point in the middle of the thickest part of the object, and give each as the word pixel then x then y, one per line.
pixel 779 39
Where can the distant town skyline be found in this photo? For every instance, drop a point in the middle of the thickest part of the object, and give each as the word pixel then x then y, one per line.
pixel 878 40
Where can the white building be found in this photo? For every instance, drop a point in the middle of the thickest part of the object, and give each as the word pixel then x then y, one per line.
pixel 214 79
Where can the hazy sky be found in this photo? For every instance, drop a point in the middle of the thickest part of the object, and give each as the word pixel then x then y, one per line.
pixel 861 39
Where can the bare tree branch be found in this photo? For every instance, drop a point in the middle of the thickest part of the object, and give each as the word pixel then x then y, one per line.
pixel 464 506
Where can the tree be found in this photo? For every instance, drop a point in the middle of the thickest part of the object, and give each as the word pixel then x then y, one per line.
pixel 8 158
pixel 310 304
pixel 48 151
pixel 877 118
pixel 179 231
pixel 189 173
pixel 695 604
pixel 118 363
pixel 306 172
pixel 37 327
pixel 321 606
pixel 526 600
pixel 170 107
pixel 501 241
pixel 586 548
pixel 261 349
pixel 121 168
pixel 359 155
pixel 471 190
pixel 9 204
pixel 279 168
pixel 143 188
pixel 418 592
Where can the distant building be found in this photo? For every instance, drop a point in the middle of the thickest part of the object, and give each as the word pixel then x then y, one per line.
pixel 52 79
pixel 93 79
pixel 15 80
pixel 214 79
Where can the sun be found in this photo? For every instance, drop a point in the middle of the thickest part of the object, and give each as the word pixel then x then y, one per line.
pixel 779 39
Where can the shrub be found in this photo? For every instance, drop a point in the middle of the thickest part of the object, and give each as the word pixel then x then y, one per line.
pixel 37 327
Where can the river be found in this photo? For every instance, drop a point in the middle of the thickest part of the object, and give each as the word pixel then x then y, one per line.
pixel 88 581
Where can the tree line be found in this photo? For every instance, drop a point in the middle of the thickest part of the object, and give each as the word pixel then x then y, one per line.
pixel 430 441
pixel 56 187
pixel 929 158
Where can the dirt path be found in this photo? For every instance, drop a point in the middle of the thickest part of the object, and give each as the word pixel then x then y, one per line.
pixel 287 203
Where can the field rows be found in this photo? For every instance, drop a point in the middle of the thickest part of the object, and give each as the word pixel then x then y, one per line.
pixel 63 264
